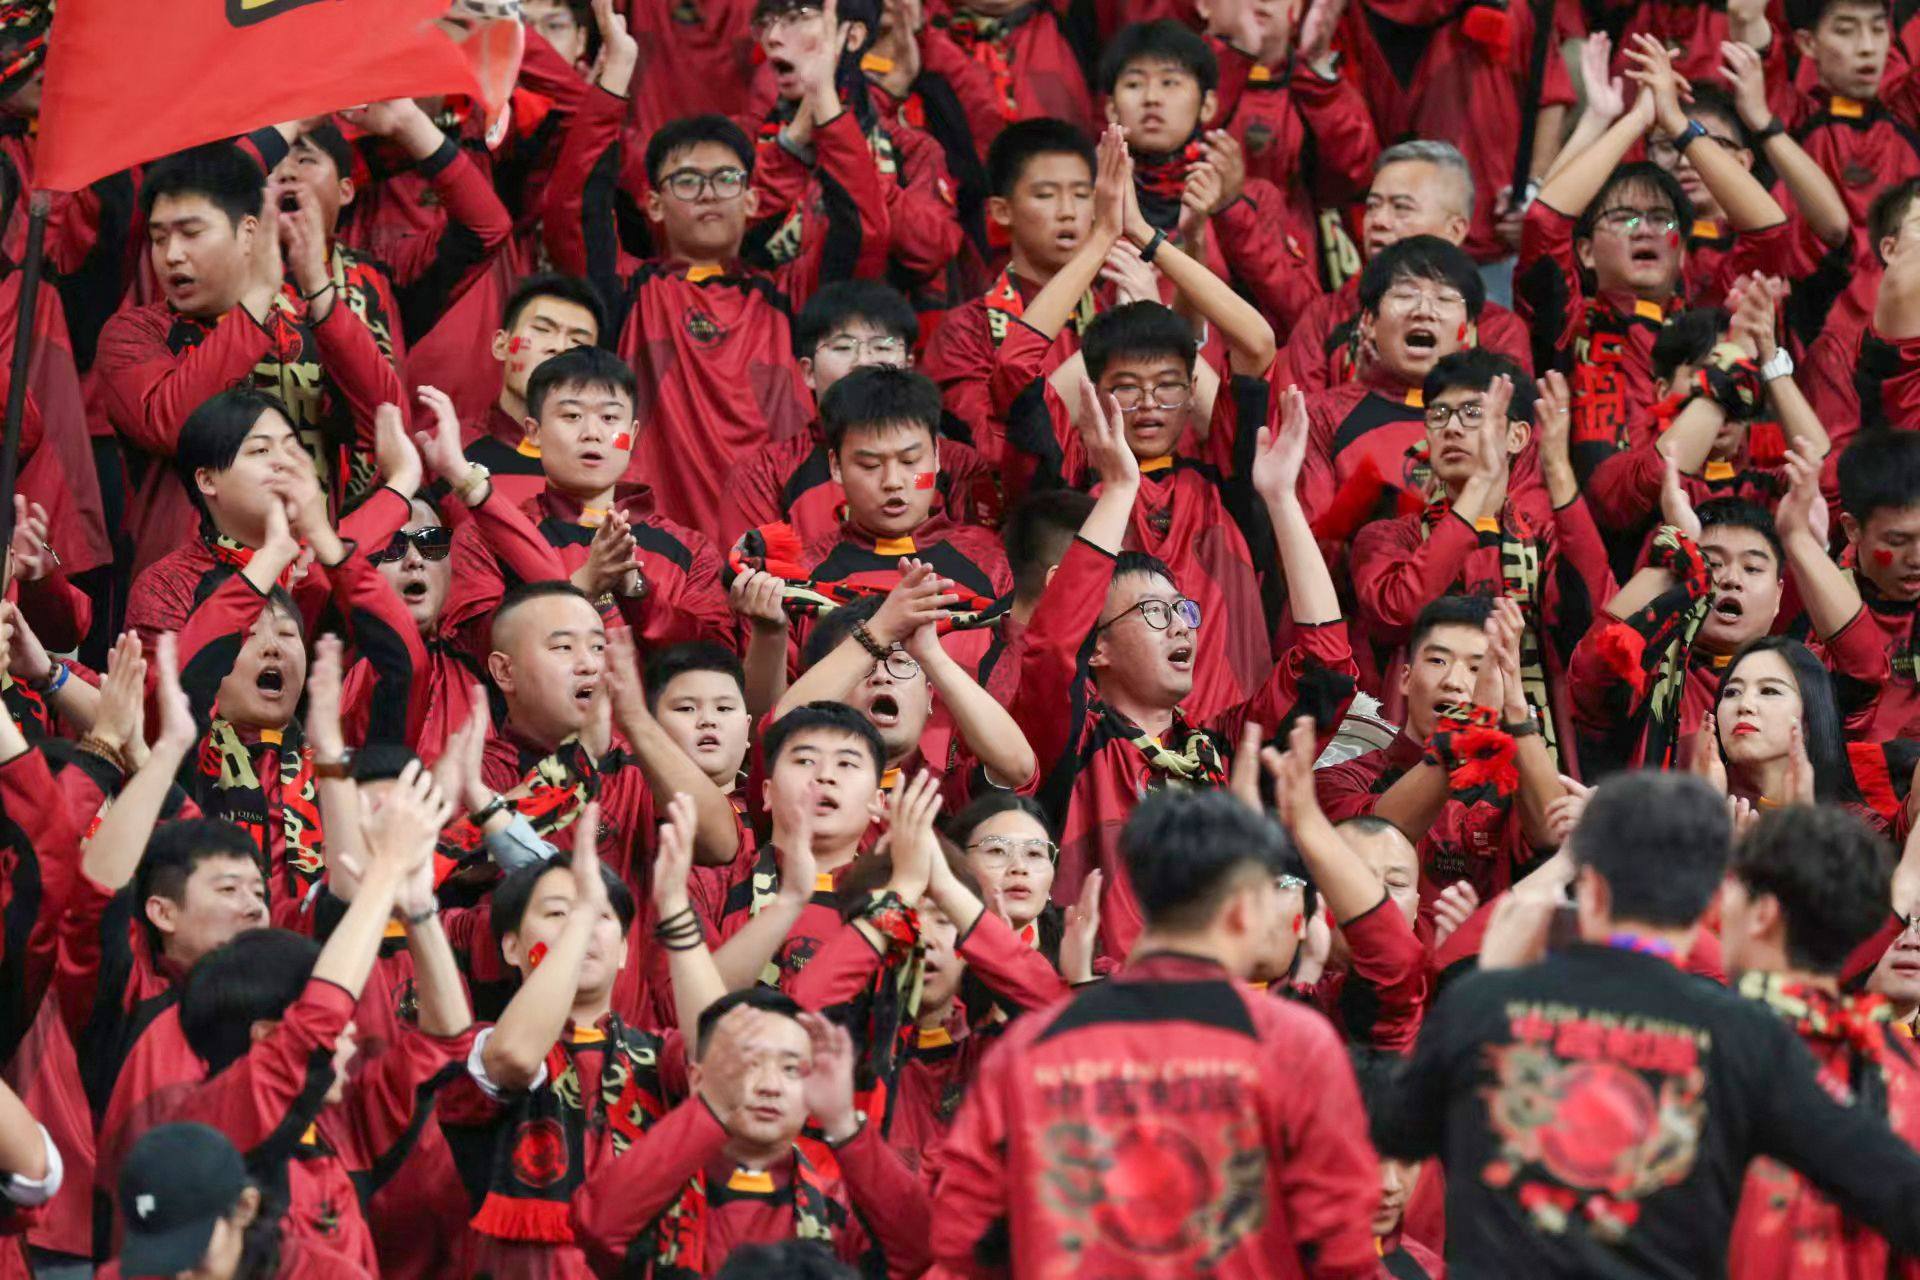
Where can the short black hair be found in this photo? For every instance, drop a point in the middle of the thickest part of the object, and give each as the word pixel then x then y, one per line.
pixel 766 999
pixel 1450 611
pixel 1474 369
pixel 1422 258
pixel 1660 841
pixel 525 593
pixel 1738 513
pixel 666 665
pixel 552 284
pixel 1880 469
pixel 785 1260
pixel 1688 338
pixel 832 628
pixel 1831 873
pixel 1137 331
pixel 1163 40
pixel 1023 141
pixel 327 139
pixel 507 909
pixel 1822 729
pixel 582 368
pixel 1143 563
pixel 828 717
pixel 1185 850
pixel 227 176
pixel 876 397
pixel 1037 533
pixel 989 804
pixel 843 301
pixel 174 852
pixel 1805 15
pixel 1889 210
pixel 1635 173
pixel 690 131
pixel 254 977
pixel 213 433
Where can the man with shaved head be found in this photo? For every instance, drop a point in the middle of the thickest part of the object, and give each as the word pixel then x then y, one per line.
pixel 1420 188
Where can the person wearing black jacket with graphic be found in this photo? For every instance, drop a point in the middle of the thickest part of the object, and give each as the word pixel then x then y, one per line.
pixel 1596 1109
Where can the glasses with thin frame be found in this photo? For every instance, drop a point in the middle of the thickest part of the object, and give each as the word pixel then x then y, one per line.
pixel 1159 614
pixel 691 184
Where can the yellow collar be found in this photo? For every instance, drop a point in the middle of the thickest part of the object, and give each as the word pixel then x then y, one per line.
pixel 823 882
pixel 706 271
pixel 1160 463
pixel 752 1181
pixel 589 1035
pixel 935 1037
pixel 894 546
pixel 890 779
pixel 1717 471
pixel 274 736
pixel 593 517
pixel 1259 75
pixel 527 449
pixel 1487 524
pixel 1416 399
pixel 876 63
pixel 1649 311
pixel 1705 229
pixel 1847 108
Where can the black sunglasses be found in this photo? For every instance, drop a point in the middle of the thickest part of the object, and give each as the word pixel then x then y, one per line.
pixel 432 544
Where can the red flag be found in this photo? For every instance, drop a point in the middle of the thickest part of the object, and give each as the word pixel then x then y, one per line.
pixel 132 80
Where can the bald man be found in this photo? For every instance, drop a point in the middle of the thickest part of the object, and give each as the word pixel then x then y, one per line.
pixel 1420 188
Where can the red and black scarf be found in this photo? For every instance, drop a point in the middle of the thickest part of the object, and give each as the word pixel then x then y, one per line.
pixel 985 40
pixel 228 776
pixel 775 549
pixel 554 789
pixel 1478 757
pixel 676 1244
pixel 540 1157
pixel 1006 305
pixel 1650 652
pixel 1162 178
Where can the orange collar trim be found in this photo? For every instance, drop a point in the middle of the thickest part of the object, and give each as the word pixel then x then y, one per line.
pixel 1161 463
pixel 1416 399
pixel 935 1037
pixel 1717 471
pixel 752 1181
pixel 706 271
pixel 1847 108
pixel 823 882
pixel 1650 311
pixel 894 546
pixel 527 449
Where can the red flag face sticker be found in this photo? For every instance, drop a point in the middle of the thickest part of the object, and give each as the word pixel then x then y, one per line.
pixel 623 441
pixel 1882 557
pixel 925 479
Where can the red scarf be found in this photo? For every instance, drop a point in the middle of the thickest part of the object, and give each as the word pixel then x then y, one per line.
pixel 1005 304
pixel 1162 179
pixel 985 40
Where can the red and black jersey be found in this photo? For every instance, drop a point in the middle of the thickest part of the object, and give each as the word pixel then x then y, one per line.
pixel 1425 75
pixel 1887 381
pixel 445 682
pixel 791 483
pixel 157 366
pixel 549 538
pixel 500 445
pixel 1034 69
pixel 322 1160
pixel 1876 667
pixel 1320 350
pixel 1364 455
pixel 1865 147
pixel 1623 492
pixel 696 56
pixel 711 346
pixel 1095 764
pixel 1313 139
pixel 1173 1067
pixel 969 554
pixel 1376 999
pixel 42 822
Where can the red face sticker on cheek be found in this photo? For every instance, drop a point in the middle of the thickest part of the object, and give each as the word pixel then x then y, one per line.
pixel 1882 557
pixel 925 479
pixel 516 345
pixel 623 441
pixel 536 954
pixel 1673 239
pixel 1462 335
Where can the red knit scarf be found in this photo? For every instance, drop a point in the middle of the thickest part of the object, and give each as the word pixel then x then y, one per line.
pixel 1162 179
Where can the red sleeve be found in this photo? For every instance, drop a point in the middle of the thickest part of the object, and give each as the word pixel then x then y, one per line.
pixel 1331 1166
pixel 577 224
pixel 1318 485
pixel 1546 278
pixel 972 86
pixel 851 241
pixel 681 603
pixel 1859 650
pixel 40 865
pixel 150 390
pixel 971 1198
pixel 1578 542
pixel 1253 243
pixel 839 971
pixel 1345 144
pixel 924 226
pixel 82 954
pixel 431 272
pixel 353 360
pixel 1624 488
pixel 1020 358
pixel 371 525
pixel 383 1103
pixel 1396 572
pixel 1392 963
pixel 1046 707
pixel 616 1205
pixel 1346 789
pixel 212 637
pixel 383 632
pixel 58 611
pixel 272 1094
pixel 960 357
pixel 1316 676
pixel 498 540
pixel 1304 359
pixel 1009 966
pixel 891 1202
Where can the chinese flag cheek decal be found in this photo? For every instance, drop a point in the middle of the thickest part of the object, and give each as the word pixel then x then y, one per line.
pixel 925 479
pixel 1882 557
pixel 516 345
pixel 1673 239
pixel 1462 335
pixel 623 441
pixel 536 954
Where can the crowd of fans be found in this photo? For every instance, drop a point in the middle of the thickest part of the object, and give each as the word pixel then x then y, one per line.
pixel 1126 638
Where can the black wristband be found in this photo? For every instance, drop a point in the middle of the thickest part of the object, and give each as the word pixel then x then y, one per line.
pixel 1153 246
pixel 1768 132
pixel 309 297
pixel 1520 728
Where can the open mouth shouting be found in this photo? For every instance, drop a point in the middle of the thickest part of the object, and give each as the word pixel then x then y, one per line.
pixel 1422 340
pixel 272 683
pixel 884 711
pixel 1180 657
pixel 1728 608
pixel 584 691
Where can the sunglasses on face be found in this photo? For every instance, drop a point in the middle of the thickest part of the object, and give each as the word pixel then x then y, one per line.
pixel 432 544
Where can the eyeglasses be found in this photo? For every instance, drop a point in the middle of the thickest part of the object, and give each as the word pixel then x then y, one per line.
pixel 1000 850
pixel 765 22
pixel 1284 883
pixel 1159 614
pixel 886 350
pixel 432 544
pixel 1469 414
pixel 1168 395
pixel 899 665
pixel 691 184
pixel 1628 221
pixel 1402 299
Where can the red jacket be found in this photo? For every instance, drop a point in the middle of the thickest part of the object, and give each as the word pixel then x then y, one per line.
pixel 1377 999
pixel 694 58
pixel 1094 772
pixel 712 348
pixel 1035 71
pixel 42 822
pixel 269 1098
pixel 1316 355
pixel 1865 147
pixel 1169 1121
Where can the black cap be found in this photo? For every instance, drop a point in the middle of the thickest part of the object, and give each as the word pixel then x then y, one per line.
pixel 179 1180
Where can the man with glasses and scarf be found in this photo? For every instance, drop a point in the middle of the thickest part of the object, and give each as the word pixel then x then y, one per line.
pixel 1110 659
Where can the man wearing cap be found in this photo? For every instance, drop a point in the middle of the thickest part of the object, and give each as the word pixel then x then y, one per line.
pixel 190 1208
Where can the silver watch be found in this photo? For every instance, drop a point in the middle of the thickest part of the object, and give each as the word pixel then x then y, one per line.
pixel 1778 365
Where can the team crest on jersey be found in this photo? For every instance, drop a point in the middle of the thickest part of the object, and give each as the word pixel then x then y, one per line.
pixel 1259 137
pixel 1855 175
pixel 686 12
pixel 244 13
pixel 703 328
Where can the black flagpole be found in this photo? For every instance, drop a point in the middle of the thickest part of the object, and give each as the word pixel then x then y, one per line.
pixel 22 361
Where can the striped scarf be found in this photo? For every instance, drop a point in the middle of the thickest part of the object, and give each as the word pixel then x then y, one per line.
pixel 775 549
pixel 1005 305
pixel 229 786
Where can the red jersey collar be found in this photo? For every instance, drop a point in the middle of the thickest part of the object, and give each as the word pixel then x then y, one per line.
pixel 1174 966
pixel 635 500
pixel 934 529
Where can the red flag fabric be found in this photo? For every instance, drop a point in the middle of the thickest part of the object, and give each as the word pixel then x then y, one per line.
pixel 132 80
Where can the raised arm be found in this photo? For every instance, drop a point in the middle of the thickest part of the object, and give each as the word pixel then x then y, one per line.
pixel 696 981
pixel 669 770
pixel 113 852
pixel 1815 197
pixel 1280 455
pixel 1832 601
pixel 1575 183
pixel 1747 204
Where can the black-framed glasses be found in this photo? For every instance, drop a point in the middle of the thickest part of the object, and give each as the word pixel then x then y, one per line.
pixel 900 665
pixel 1168 395
pixel 1000 850
pixel 1159 614
pixel 1470 415
pixel 1628 221
pixel 433 544
pixel 691 184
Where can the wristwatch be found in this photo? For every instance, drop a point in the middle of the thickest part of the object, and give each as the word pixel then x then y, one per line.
pixel 480 817
pixel 477 475
pixel 342 767
pixel 1690 135
pixel 1778 365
